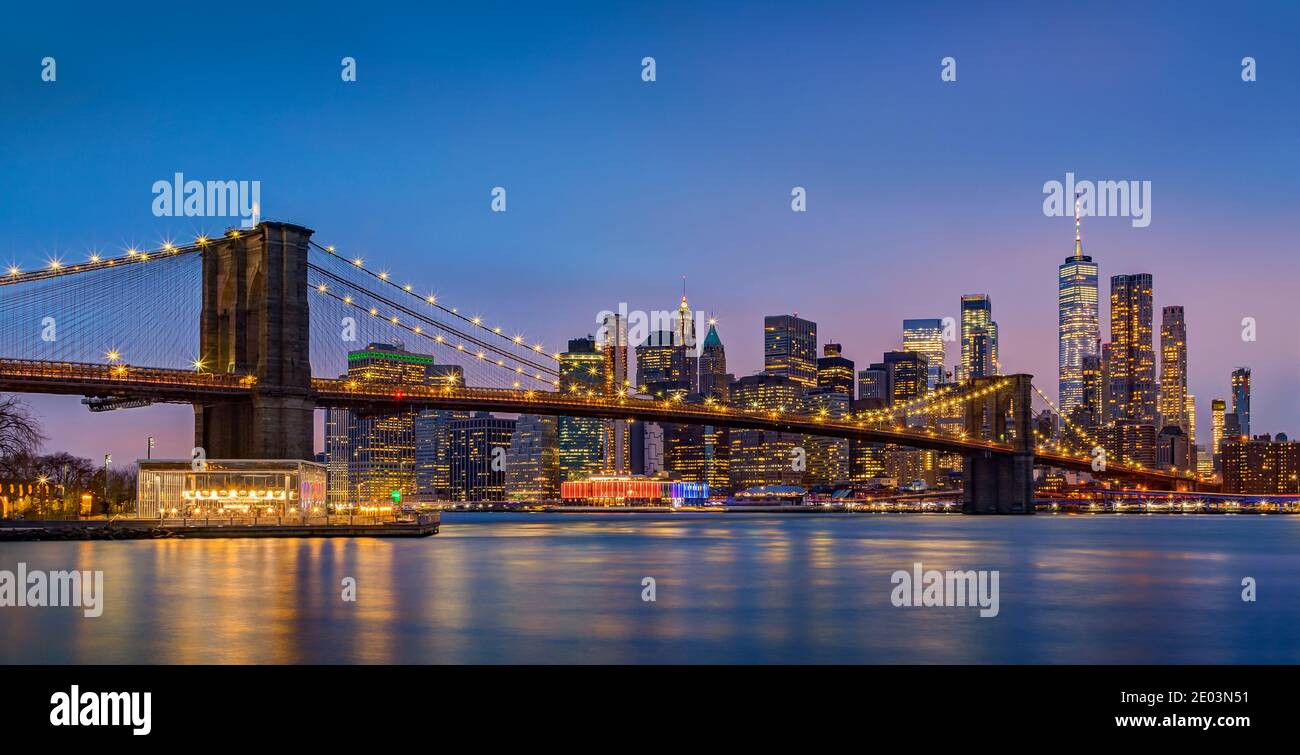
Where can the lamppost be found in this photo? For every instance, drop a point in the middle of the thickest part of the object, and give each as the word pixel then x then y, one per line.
pixel 108 459
pixel 148 454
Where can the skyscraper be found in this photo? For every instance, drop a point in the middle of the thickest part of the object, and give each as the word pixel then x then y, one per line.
pixel 764 457
pixel 827 458
pixel 686 336
pixel 1132 355
pixel 714 379
pixel 1173 368
pixel 533 461
pixel 613 347
pixel 581 373
pixel 925 337
pixel 1076 301
pixel 1089 412
pixel 834 371
pixel 977 320
pixel 1218 409
pixel 1241 398
pixel 479 447
pixel 381 447
pixel 790 348
pixel 981 346
pixel 336 457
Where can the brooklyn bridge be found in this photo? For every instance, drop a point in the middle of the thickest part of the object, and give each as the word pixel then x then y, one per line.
pixel 246 328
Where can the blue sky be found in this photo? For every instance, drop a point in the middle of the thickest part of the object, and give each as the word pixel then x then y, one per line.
pixel 918 190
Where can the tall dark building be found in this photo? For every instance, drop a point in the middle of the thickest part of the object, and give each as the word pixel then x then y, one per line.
pixel 790 348
pixel 582 370
pixel 977 320
pixel 1088 410
pixel 1241 398
pixel 909 375
pixel 479 446
pixel 714 378
pixel 875 383
pixel 1132 354
pixel 1174 406
pixel 835 372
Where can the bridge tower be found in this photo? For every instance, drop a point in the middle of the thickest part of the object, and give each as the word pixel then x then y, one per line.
pixel 995 482
pixel 254 322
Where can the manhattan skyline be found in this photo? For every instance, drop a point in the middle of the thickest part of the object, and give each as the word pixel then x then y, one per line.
pixel 918 191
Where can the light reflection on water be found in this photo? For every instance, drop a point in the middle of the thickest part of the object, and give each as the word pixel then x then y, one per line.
pixel 566 588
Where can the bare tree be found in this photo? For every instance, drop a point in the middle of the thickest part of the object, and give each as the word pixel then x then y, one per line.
pixel 19 433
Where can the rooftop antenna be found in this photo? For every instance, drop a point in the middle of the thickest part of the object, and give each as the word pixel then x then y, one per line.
pixel 1078 225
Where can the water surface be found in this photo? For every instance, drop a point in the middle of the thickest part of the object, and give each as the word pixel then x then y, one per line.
pixel 731 588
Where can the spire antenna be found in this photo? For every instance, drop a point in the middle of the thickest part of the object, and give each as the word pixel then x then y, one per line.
pixel 1078 225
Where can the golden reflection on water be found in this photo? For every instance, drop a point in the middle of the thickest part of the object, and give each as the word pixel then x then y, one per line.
pixel 730 588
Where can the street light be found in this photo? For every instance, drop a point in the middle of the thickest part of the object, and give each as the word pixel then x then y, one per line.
pixel 108 459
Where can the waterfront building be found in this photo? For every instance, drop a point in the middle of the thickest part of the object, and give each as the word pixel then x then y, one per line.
pixel 633 490
pixel 834 372
pixel 1173 368
pixel 925 337
pixel 977 321
pixel 1241 398
pixel 1261 466
pixel 1078 323
pixel 533 461
pixel 581 438
pixel 1132 355
pixel 790 348
pixel 230 488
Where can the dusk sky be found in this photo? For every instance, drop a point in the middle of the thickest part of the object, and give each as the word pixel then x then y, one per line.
pixel 918 190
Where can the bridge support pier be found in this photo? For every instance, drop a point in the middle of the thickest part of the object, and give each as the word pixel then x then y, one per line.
pixel 1000 483
pixel 254 322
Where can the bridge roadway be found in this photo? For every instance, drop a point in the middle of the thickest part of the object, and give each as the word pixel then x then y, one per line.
pixel 187 386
